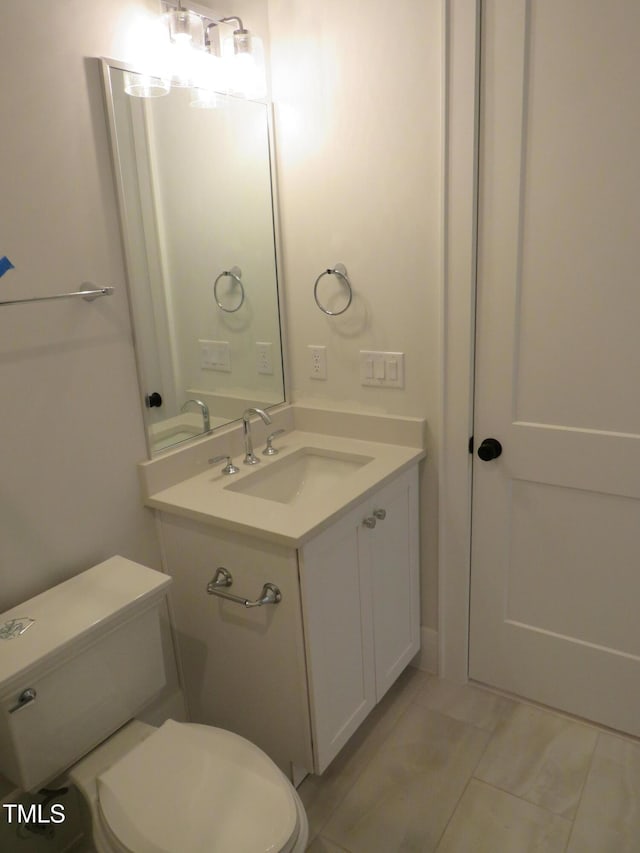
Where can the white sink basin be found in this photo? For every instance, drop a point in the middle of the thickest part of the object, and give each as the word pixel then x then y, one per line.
pixel 305 473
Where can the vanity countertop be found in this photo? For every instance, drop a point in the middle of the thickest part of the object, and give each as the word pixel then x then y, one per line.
pixel 211 497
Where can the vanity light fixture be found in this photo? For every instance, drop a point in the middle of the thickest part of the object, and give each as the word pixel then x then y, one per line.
pixel 186 35
pixel 243 55
pixel 201 59
pixel 210 78
pixel 185 27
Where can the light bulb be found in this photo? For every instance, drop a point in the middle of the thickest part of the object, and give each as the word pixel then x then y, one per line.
pixel 207 82
pixel 185 27
pixel 183 63
pixel 149 42
pixel 244 63
pixel 186 37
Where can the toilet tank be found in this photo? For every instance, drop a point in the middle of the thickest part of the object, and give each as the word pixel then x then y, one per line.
pixel 76 663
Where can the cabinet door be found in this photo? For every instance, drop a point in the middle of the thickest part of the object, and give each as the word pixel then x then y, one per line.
pixel 336 603
pixel 392 550
pixel 243 668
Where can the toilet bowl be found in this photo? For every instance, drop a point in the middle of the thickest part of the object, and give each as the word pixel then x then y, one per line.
pixel 81 661
pixel 174 789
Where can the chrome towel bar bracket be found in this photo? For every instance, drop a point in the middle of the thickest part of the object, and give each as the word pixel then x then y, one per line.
pixel 340 271
pixel 88 292
pixel 270 593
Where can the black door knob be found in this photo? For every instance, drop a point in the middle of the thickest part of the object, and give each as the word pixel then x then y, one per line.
pixel 153 399
pixel 489 449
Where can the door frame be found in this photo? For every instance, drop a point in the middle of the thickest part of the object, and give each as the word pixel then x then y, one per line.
pixel 461 88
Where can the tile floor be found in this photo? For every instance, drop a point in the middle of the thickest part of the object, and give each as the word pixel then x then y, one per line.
pixel 449 769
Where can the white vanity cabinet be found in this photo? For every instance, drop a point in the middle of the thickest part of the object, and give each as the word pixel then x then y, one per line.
pixel 361 610
pixel 243 668
pixel 298 677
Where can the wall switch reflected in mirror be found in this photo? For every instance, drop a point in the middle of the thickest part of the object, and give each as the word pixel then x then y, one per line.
pixel 215 355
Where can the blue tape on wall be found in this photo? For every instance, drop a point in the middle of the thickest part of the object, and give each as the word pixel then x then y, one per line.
pixel 5 265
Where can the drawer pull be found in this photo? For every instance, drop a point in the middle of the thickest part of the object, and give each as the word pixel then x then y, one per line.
pixel 25 698
pixel 270 593
pixel 380 514
pixel 369 522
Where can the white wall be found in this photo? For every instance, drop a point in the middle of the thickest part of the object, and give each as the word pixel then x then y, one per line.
pixel 358 125
pixel 71 430
pixel 357 92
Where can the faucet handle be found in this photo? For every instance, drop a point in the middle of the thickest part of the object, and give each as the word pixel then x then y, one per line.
pixel 269 449
pixel 229 468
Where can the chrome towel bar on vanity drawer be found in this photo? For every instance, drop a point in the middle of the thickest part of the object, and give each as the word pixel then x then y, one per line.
pixel 270 593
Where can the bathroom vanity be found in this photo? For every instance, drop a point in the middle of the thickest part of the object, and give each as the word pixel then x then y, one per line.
pixel 332 524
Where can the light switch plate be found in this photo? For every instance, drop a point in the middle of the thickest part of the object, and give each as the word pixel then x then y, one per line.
pixel 215 355
pixel 384 369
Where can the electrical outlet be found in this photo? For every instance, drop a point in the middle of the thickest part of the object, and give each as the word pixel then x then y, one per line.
pixel 264 357
pixel 318 362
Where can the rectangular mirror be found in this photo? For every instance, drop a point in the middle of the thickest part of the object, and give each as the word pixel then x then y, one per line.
pixel 196 203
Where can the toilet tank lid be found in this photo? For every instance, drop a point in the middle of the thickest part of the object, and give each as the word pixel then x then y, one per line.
pixel 42 628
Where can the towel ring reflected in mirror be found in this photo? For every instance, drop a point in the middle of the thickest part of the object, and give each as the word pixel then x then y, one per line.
pixel 234 273
pixel 340 271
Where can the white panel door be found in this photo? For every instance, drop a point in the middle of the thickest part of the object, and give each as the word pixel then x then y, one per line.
pixel 555 581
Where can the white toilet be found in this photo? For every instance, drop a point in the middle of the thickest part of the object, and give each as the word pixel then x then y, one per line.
pixel 77 663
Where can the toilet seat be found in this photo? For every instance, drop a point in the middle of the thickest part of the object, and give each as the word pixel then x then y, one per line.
pixel 189 788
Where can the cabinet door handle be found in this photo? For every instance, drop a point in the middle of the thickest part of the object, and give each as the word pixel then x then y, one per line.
pixel 380 514
pixel 25 698
pixel 369 522
pixel 270 593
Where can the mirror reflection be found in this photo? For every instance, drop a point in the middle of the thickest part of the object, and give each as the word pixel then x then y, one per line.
pixel 195 196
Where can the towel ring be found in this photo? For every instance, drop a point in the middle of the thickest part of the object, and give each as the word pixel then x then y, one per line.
pixel 341 272
pixel 234 273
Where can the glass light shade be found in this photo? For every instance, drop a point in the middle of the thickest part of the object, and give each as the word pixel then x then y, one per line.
pixel 146 85
pixel 186 27
pixel 245 70
pixel 204 99
pixel 208 81
pixel 149 43
pixel 183 61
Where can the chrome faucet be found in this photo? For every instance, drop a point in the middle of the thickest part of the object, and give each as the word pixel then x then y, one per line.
pixel 205 412
pixel 249 456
